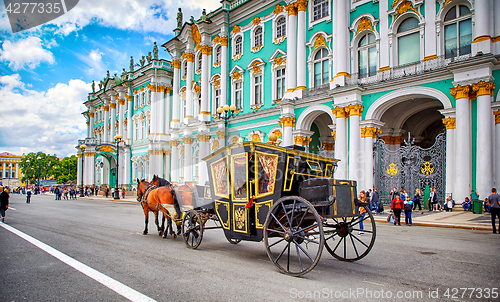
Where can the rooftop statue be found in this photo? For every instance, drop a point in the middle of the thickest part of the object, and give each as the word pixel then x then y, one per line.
pixel 142 61
pixel 191 20
pixel 93 86
pixel 204 15
pixel 124 75
pixel 149 57
pixel 118 81
pixel 155 52
pixel 179 18
pixel 131 64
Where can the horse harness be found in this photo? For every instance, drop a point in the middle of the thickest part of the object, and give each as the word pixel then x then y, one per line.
pixel 144 197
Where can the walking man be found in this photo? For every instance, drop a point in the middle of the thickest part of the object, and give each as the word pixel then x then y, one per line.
pixel 4 203
pixel 375 198
pixel 494 199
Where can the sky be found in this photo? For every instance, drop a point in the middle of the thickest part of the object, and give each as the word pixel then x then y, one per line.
pixel 46 72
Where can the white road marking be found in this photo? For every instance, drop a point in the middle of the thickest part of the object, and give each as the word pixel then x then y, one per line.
pixel 374 283
pixel 11 208
pixel 109 282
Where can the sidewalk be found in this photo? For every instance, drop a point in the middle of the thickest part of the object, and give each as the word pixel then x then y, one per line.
pixel 455 219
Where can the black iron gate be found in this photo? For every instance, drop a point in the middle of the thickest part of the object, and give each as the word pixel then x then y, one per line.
pixel 410 167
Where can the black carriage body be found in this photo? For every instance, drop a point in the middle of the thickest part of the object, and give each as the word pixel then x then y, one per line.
pixel 246 179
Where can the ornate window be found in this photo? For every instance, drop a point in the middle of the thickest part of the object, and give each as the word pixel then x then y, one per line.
pixel 218 54
pixel 238 94
pixel 198 67
pixel 258 89
pixel 367 56
pixel 216 98
pixel 258 37
pixel 321 67
pixel 238 49
pixel 184 69
pixel 408 41
pixel 457 31
pixel 281 27
pixel 280 83
pixel 320 9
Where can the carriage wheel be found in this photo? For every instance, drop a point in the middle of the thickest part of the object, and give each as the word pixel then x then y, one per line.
pixel 233 241
pixel 293 235
pixel 347 242
pixel 192 229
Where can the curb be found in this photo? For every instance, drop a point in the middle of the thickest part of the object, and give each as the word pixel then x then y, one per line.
pixel 454 226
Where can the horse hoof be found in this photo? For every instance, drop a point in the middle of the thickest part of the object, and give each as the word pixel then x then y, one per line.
pixel 144 233
pixel 174 236
pixel 160 233
pixel 164 236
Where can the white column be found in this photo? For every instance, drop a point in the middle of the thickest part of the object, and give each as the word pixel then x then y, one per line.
pixel 154 109
pixel 166 171
pixel 341 142
pixel 174 161
pixel 430 29
pixel 484 153
pixel 383 7
pixel 481 29
pixel 17 171
pixel 341 42
pixel 463 180
pixel 291 59
pixel 160 114
pixel 106 123
pixel 301 45
pixel 497 149
pixel 288 123
pixel 121 115
pixel 79 170
pixel 130 123
pixel 223 73
pixel 91 115
pixel 189 88
pixel 450 155
pixel 355 150
pixel 368 158
pixel 126 167
pixel 188 158
pixel 204 150
pixel 204 114
pixel 4 175
pixel 175 99
pixel 113 121
pixel 167 105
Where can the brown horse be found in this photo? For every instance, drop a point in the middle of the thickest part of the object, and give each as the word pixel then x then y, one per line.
pixel 155 199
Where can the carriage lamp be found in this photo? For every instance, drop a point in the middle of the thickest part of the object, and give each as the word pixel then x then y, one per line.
pixel 82 147
pixel 118 139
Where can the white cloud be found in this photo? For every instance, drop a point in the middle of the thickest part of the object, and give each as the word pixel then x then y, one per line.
pixel 29 51
pixel 48 121
pixel 93 61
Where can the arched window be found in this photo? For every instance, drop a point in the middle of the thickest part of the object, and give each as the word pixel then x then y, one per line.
pixel 218 54
pixel 457 31
pixel 196 159
pixel 321 64
pixel 281 27
pixel 280 83
pixel 408 41
pixel 238 45
pixel 199 61
pixel 185 69
pixel 258 37
pixel 367 56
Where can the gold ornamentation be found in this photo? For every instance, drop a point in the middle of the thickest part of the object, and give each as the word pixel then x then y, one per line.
pixel 278 9
pixel 481 38
pixel 197 88
pixel 257 48
pixel 484 88
pixel 320 41
pixel 364 23
pixel 368 132
pixel 196 34
pixel 449 123
pixel 287 121
pixel 203 138
pixel 236 140
pixel 215 145
pixel 255 67
pixel 256 21
pixel 187 140
pixel 168 153
pixel 447 1
pixel 216 40
pixel 427 168
pixel 236 75
pixel 279 40
pixel 106 108
pixel 221 134
pixel 384 68
pixel 355 110
pixel 239 218
pixel 291 9
pixel 142 89
pixel 340 112
pixel 302 140
pixel 188 56
pixel 91 114
pixel 392 170
pixel 430 58
pixel 206 50
pixel 278 61
pixel 121 101
pixel 236 29
pixel 328 146
pixel 223 41
pixel 216 83
pixel 176 64
pixel 237 57
pixel 460 92
pixel 301 5
pixel 174 143
pixel 256 138
pixel 334 134
pixel 403 7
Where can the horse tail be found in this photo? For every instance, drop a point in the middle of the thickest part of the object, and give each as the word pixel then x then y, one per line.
pixel 176 203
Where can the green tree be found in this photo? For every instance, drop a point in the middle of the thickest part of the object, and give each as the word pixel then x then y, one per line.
pixel 66 170
pixel 39 166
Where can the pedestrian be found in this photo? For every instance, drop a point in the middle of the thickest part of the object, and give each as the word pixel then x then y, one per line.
pixel 28 196
pixel 448 205
pixel 466 204
pixel 494 200
pixel 393 193
pixel 416 200
pixel 375 199
pixel 397 206
pixel 106 191
pixel 362 212
pixel 123 193
pixel 474 195
pixel 486 205
pixel 368 199
pixel 4 202
pixel 408 207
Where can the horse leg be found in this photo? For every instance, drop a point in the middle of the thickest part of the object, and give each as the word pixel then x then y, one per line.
pixel 160 231
pixel 165 233
pixel 146 218
pixel 172 233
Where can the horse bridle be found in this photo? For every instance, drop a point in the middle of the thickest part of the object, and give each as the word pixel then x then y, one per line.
pixel 144 196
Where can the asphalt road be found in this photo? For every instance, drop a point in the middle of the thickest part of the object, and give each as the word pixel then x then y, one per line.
pixel 406 264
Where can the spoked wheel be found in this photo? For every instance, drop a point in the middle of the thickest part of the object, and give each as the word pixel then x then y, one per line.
pixel 192 229
pixel 233 241
pixel 352 237
pixel 293 235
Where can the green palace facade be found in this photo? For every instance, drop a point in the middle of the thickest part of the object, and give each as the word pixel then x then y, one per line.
pixel 403 92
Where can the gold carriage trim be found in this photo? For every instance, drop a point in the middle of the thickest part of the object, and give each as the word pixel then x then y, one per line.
pixel 260 224
pixel 225 224
pixel 240 218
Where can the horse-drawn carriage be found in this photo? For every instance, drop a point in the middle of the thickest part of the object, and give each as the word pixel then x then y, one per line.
pixel 286 197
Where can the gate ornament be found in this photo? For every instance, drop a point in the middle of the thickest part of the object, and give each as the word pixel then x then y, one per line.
pixel 427 168
pixel 392 169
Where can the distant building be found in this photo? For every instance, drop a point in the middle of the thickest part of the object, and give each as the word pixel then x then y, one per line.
pixel 10 169
pixel 359 80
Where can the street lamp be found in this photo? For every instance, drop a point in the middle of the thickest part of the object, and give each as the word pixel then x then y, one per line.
pixel 9 172
pixel 82 147
pixel 225 113
pixel 38 179
pixel 27 174
pixel 118 140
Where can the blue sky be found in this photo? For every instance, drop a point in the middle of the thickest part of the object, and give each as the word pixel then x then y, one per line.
pixel 46 72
